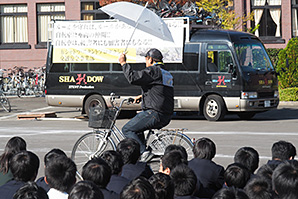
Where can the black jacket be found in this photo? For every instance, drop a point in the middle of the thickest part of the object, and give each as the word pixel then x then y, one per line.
pixel 117 183
pixel 10 188
pixel 208 173
pixel 157 87
pixel 132 171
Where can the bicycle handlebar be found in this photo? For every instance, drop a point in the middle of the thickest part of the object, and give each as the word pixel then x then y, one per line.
pixel 113 97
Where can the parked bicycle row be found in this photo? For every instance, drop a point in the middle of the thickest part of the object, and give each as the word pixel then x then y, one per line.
pixel 21 81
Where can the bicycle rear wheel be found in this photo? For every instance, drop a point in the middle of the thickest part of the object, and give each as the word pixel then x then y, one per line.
pixel 88 146
pixel 5 103
pixel 164 139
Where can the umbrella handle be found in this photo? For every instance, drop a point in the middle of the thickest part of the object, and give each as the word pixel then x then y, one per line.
pixel 125 51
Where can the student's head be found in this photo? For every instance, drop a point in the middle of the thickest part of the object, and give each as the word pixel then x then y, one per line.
pixel 230 193
pixel 85 190
pixel 184 180
pixel 13 146
pixel 170 160
pixel 153 55
pixel 248 157
pixel 204 148
pixel 24 166
pixel 258 188
pixel 285 179
pixel 266 171
pixel 97 171
pixel 180 148
pixel 61 173
pixel 236 175
pixel 163 186
pixel 30 190
pixel 139 188
pixel 114 160
pixel 283 150
pixel 129 150
pixel 52 154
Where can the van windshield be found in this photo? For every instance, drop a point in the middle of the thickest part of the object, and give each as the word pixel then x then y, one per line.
pixel 253 57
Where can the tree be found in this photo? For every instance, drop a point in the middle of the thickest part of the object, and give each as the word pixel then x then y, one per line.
pixel 223 9
pixel 288 65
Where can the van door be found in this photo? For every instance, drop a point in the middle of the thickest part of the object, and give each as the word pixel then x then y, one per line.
pixel 221 73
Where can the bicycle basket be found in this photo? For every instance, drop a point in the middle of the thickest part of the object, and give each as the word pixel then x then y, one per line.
pixel 100 117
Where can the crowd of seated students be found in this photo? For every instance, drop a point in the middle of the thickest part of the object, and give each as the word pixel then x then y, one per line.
pixel 120 175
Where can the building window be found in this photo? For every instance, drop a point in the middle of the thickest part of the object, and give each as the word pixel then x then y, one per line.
pixel 267 13
pixel 46 13
pixel 13 23
pixel 295 18
pixel 90 10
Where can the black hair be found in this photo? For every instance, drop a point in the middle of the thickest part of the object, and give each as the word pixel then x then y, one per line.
pixel 13 146
pixel 155 54
pixel 266 171
pixel 139 188
pixel 54 153
pixel 236 175
pixel 180 148
pixel 285 179
pixel 97 171
pixel 184 180
pixel 248 157
pixel 85 190
pixel 30 190
pixel 129 150
pixel 24 166
pixel 283 150
pixel 61 173
pixel 204 148
pixel 258 188
pixel 114 160
pixel 172 159
pixel 230 193
pixel 163 186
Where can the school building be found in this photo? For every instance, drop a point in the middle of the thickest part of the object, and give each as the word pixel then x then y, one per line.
pixel 24 24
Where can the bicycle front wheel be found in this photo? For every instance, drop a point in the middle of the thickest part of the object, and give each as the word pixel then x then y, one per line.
pixel 5 103
pixel 90 145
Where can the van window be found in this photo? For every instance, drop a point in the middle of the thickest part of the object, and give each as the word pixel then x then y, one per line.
pixel 218 58
pixel 99 67
pixel 79 67
pixel 60 67
pixel 190 63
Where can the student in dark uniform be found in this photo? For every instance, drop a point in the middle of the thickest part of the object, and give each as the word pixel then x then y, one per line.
pixel 281 151
pixel 184 180
pixel 24 167
pixel 130 151
pixel 114 160
pixel 157 97
pixel 50 156
pixel 99 172
pixel 210 174
pixel 139 188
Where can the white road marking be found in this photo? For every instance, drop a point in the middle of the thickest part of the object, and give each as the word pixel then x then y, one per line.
pixel 238 133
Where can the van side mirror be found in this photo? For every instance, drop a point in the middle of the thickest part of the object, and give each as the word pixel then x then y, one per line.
pixel 232 70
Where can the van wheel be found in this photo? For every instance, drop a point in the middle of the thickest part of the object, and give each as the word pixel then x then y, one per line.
pixel 246 115
pixel 214 108
pixel 94 101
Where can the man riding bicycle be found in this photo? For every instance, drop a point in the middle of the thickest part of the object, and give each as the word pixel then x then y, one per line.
pixel 157 97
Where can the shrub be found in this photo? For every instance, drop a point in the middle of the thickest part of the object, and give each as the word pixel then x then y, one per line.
pixel 288 94
pixel 288 65
pixel 273 54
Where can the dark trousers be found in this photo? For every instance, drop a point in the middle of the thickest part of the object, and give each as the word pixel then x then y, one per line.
pixel 145 120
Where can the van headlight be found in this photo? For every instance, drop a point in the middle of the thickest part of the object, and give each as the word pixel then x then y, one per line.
pixel 276 94
pixel 249 95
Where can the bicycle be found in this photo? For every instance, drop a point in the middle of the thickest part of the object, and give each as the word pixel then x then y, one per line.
pixel 4 102
pixel 106 135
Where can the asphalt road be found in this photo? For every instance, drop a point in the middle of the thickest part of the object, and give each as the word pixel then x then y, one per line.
pixel 229 135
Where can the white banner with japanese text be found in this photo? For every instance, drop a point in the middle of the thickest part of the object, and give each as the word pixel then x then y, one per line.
pixel 102 41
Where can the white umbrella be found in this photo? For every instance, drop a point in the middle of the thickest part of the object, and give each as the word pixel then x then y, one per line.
pixel 139 17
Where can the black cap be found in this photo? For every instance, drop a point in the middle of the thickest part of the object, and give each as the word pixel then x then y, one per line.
pixel 155 54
